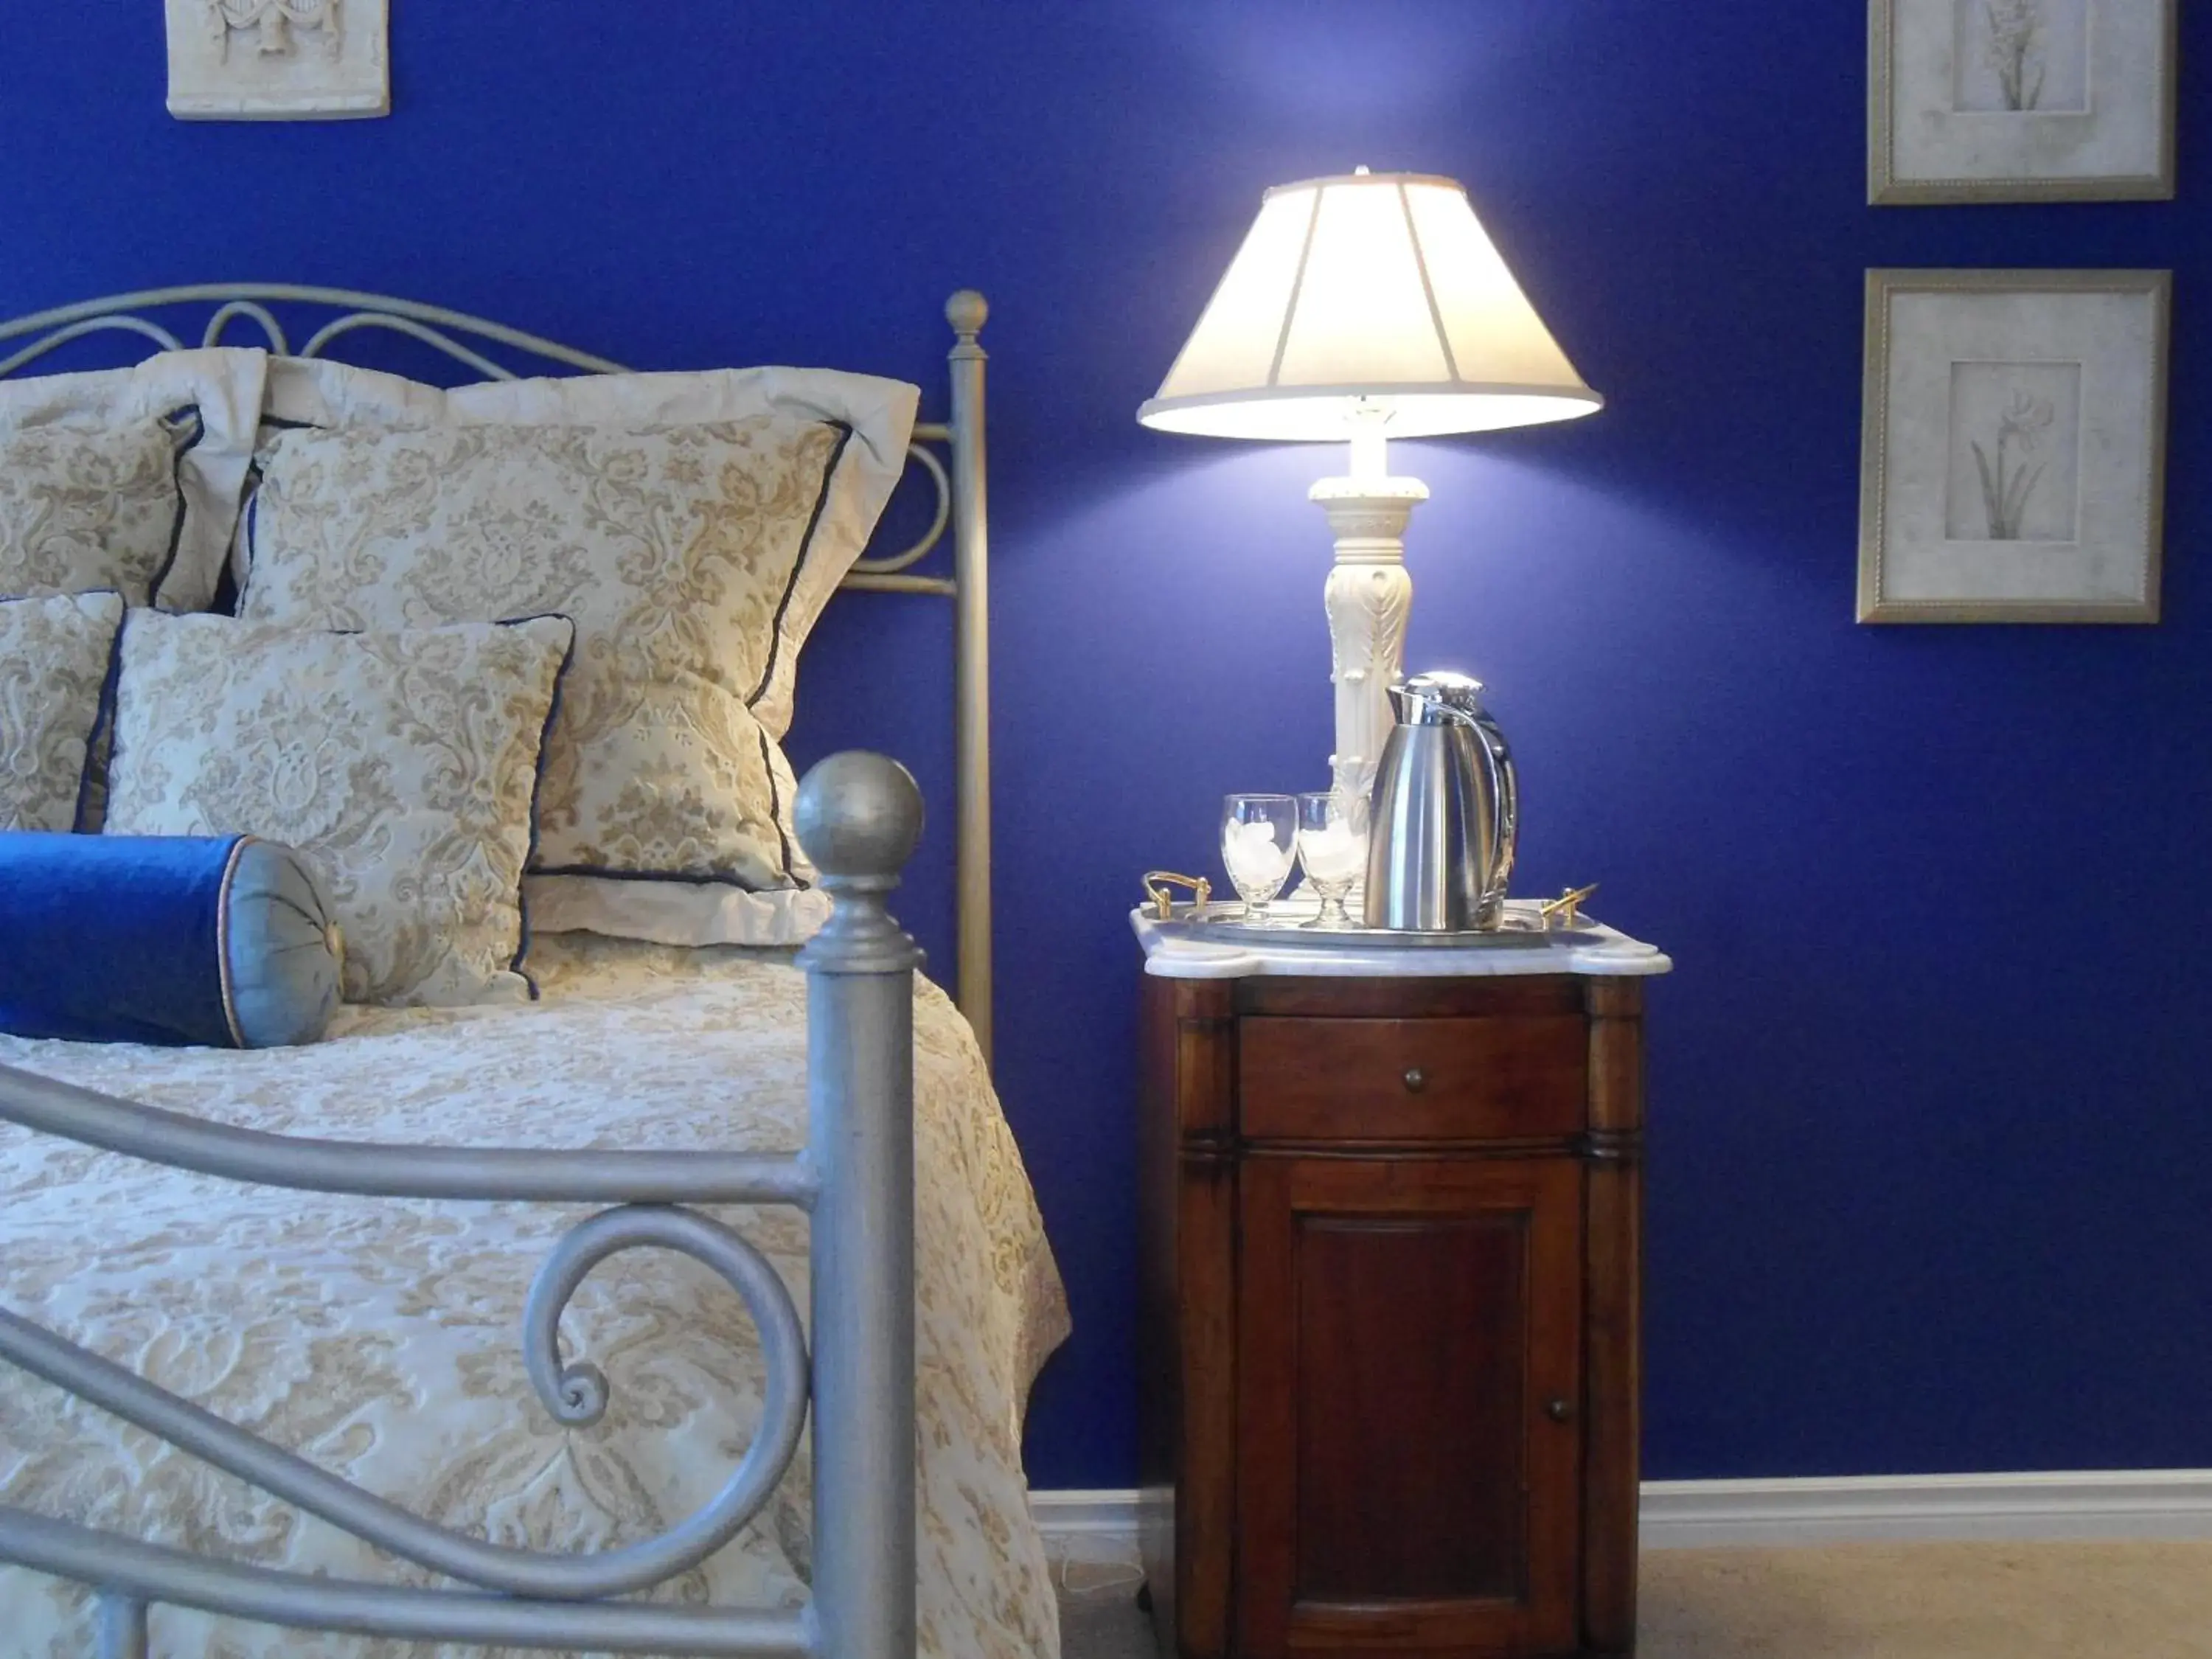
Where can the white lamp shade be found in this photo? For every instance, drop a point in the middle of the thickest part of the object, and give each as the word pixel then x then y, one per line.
pixel 1372 291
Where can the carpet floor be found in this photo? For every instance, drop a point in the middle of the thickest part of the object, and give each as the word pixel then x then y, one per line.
pixel 1851 1602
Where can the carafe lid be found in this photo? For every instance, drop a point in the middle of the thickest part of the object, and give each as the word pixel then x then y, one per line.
pixel 1438 698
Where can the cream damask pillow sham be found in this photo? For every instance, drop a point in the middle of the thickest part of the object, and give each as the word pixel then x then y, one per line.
pixel 127 479
pixel 85 509
pixel 675 552
pixel 54 656
pixel 694 525
pixel 402 765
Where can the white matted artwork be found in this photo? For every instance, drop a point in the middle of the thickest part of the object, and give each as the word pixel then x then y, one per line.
pixel 2019 100
pixel 2014 461
pixel 278 60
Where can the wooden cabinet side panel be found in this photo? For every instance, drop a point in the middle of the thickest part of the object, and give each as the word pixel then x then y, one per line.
pixel 1613 1304
pixel 1159 1399
pixel 1186 1323
pixel 1615 1008
pixel 1613 1365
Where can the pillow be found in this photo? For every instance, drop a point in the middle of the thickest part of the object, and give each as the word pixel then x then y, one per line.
pixel 402 765
pixel 225 943
pixel 54 657
pixel 127 479
pixel 82 509
pixel 675 913
pixel 694 526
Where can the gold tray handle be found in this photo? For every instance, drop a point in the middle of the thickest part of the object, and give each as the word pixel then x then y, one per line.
pixel 1157 886
pixel 1566 910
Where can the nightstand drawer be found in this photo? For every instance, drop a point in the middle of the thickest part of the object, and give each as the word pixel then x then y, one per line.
pixel 1411 1079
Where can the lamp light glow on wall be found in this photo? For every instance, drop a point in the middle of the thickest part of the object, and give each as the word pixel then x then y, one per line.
pixel 1359 309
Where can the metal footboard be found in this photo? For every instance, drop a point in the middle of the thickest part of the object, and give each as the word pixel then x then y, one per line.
pixel 858 817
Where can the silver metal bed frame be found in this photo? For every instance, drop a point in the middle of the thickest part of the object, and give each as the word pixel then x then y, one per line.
pixel 858 817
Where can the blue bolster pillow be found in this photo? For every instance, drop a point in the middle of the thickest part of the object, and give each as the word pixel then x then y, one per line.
pixel 223 941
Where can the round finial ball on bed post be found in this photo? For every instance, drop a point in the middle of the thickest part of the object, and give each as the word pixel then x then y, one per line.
pixel 966 311
pixel 859 815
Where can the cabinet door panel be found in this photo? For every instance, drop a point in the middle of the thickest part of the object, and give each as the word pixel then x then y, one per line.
pixel 1405 1331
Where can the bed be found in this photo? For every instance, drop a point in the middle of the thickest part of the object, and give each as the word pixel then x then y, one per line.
pixel 265 1304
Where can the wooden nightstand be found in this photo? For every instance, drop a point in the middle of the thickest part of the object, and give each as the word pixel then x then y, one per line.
pixel 1390 1296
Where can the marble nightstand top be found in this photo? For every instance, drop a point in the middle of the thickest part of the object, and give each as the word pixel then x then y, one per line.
pixel 1605 951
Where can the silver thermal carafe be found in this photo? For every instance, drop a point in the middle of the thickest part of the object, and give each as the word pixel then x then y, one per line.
pixel 1445 813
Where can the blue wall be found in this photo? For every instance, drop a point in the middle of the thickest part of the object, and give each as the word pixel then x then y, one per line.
pixel 1933 1160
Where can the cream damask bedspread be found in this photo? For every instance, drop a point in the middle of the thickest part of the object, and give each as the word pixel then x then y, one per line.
pixel 379 1338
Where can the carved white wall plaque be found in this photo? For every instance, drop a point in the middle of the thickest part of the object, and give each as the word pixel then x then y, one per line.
pixel 278 60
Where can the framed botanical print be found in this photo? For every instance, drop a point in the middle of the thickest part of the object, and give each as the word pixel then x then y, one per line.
pixel 2013 465
pixel 2019 100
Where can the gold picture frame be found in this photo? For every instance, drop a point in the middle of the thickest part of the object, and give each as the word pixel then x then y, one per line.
pixel 2013 453
pixel 1961 104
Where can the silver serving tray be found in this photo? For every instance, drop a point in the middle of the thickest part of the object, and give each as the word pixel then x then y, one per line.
pixel 1284 927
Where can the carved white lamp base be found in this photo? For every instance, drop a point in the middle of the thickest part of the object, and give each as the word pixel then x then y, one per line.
pixel 1368 597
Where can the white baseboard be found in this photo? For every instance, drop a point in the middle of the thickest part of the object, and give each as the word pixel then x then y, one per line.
pixel 2068 1507
pixel 2061 1508
pixel 1099 1526
pixel 1108 1514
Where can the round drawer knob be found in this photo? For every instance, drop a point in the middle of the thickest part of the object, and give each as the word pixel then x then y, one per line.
pixel 1559 1411
pixel 1416 1079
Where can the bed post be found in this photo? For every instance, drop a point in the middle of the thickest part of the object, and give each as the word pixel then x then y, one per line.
pixel 859 816
pixel 971 564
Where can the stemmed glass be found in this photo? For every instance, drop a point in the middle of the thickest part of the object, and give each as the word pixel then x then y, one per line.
pixel 1333 847
pixel 1258 834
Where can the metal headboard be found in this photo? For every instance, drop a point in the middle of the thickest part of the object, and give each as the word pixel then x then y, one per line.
pixel 962 500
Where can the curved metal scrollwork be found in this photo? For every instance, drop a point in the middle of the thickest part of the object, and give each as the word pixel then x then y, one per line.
pixel 260 315
pixel 576 1395
pixel 77 331
pixel 434 326
pixel 930 537
pixel 407 326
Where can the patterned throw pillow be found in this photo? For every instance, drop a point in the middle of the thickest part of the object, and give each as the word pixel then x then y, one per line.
pixel 403 765
pixel 128 479
pixel 86 509
pixel 54 655
pixel 677 551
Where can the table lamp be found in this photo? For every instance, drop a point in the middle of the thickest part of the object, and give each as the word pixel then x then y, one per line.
pixel 1364 308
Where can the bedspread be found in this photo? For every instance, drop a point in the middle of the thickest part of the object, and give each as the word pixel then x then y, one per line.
pixel 379 1338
